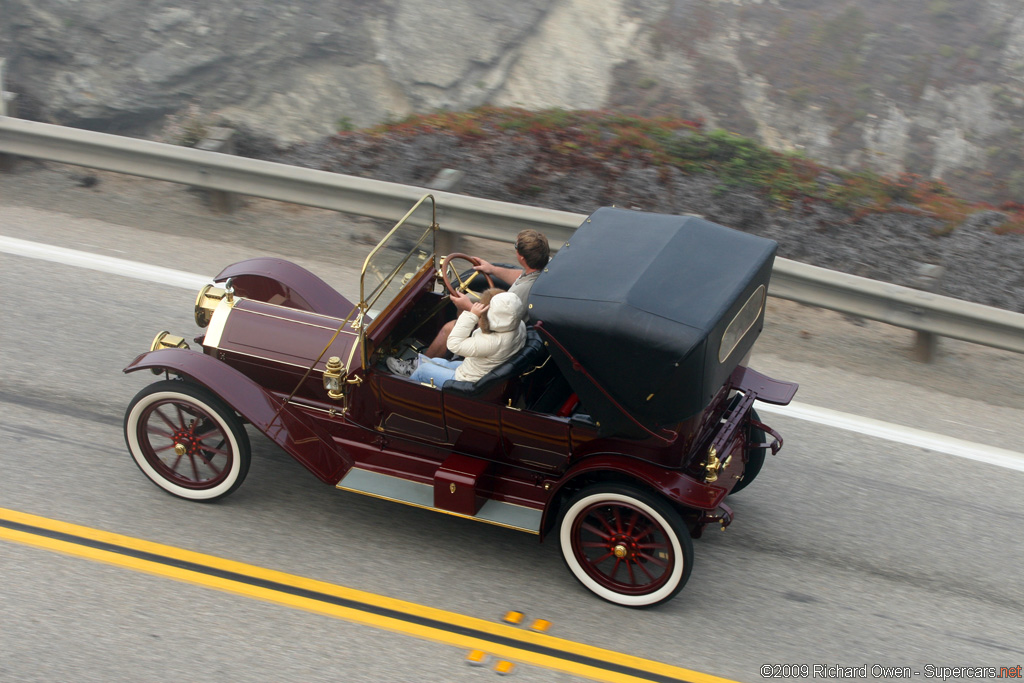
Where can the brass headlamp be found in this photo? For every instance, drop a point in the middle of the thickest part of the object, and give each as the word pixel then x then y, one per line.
pixel 332 378
pixel 166 340
pixel 206 303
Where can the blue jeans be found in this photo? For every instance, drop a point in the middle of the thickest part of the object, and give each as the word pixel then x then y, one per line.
pixel 439 370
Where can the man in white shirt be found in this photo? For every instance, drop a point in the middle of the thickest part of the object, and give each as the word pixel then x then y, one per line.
pixel 532 253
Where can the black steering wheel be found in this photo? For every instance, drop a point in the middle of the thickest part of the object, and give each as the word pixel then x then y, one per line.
pixel 450 274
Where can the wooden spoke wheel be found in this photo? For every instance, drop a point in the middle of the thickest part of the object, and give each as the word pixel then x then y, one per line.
pixel 627 546
pixel 186 440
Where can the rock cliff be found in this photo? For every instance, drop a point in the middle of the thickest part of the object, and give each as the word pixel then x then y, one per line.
pixel 933 87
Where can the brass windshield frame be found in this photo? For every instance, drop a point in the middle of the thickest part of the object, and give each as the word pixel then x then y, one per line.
pixel 431 229
pixel 366 303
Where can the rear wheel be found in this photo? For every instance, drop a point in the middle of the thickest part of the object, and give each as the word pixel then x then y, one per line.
pixel 755 456
pixel 186 440
pixel 625 545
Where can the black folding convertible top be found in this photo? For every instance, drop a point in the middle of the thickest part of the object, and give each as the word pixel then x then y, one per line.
pixel 635 306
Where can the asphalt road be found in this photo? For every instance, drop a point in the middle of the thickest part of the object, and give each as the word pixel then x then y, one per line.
pixel 849 550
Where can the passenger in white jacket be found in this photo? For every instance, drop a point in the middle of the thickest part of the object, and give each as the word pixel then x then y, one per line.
pixel 486 336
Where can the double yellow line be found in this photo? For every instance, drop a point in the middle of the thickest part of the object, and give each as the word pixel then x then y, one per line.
pixel 370 609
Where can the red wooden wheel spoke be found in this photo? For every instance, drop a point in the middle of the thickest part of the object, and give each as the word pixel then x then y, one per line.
pixel 174 467
pixel 615 568
pixel 645 529
pixel 208 462
pixel 218 451
pixel 617 516
pixel 653 546
pixel 597 532
pixel 158 432
pixel 181 416
pixel 164 448
pixel 195 469
pixel 629 569
pixel 632 522
pixel 604 522
pixel 653 560
pixel 651 576
pixel 166 419
pixel 594 544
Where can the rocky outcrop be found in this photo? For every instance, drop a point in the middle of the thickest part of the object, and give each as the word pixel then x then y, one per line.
pixel 933 87
pixel 522 165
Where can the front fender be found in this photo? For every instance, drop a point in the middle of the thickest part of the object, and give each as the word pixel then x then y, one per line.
pixel 284 283
pixel 297 434
pixel 672 484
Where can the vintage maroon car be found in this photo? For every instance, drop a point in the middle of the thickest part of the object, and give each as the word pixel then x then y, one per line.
pixel 621 426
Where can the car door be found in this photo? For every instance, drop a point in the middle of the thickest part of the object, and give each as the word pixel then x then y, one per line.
pixel 473 425
pixel 537 441
pixel 410 409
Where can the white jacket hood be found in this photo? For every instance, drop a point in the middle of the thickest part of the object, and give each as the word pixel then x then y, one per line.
pixel 505 312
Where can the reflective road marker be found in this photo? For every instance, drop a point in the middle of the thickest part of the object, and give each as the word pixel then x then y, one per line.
pixel 468 633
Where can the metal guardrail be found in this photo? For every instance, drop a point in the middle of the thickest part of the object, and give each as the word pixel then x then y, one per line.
pixel 471 216
pixel 912 309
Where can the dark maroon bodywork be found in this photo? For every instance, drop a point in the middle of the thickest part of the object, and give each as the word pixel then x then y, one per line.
pixel 619 427
pixel 261 367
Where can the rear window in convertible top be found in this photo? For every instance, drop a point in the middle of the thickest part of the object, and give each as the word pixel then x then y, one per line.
pixel 741 324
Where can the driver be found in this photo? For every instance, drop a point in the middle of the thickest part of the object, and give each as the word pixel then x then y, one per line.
pixel 532 253
pixel 498 335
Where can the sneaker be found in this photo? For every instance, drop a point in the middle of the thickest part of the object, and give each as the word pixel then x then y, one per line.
pixel 401 367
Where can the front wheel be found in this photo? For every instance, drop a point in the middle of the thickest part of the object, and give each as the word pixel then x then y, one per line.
pixel 625 545
pixel 186 440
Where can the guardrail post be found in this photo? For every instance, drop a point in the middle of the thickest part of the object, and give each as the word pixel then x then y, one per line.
pixel 926 344
pixel 8 107
pixel 447 180
pixel 219 139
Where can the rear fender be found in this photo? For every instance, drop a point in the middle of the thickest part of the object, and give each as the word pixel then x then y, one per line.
pixel 764 388
pixel 296 433
pixel 284 283
pixel 672 484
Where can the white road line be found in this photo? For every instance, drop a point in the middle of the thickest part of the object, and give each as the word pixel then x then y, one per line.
pixel 949 445
pixel 831 418
pixel 104 264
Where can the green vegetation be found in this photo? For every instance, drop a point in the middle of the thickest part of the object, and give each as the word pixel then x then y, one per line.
pixel 187 127
pixel 604 141
pixel 941 9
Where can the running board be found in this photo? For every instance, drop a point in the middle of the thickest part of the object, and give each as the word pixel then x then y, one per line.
pixel 422 496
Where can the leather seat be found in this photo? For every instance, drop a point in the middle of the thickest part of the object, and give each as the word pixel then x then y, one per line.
pixel 532 355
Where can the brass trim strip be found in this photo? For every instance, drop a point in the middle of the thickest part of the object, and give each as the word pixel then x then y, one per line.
pixel 543 466
pixel 270 360
pixel 330 328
